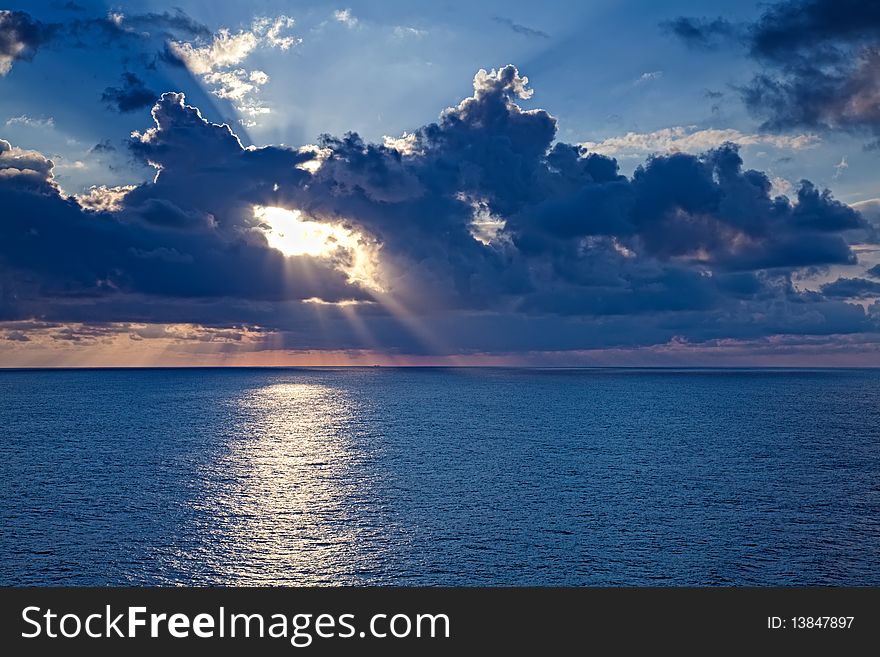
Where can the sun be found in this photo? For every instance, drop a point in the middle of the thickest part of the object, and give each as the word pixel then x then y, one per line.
pixel 292 236
pixel 354 254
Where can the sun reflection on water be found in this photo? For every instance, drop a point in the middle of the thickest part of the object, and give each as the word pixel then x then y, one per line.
pixel 292 501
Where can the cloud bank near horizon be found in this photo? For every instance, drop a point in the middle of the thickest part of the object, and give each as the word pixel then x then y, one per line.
pixel 484 234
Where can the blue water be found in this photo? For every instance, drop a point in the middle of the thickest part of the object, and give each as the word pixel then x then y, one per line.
pixel 440 476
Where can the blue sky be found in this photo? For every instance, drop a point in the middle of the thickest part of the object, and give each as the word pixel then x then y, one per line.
pixel 402 62
pixel 622 80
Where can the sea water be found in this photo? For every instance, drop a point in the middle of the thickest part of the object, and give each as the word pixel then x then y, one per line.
pixel 439 477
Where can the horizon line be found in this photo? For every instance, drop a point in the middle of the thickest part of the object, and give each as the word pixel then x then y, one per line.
pixel 422 367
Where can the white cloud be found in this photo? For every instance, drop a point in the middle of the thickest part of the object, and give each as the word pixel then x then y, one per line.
pixel 104 199
pixel 215 61
pixel 251 109
pixel 647 77
pixel 690 140
pixel 486 82
pixel 72 164
pixel 780 186
pixel 402 32
pixel 231 85
pixel 254 109
pixel 405 144
pixel 258 77
pixel 272 29
pixel 225 50
pixel 345 17
pixel 31 122
pixel 15 161
pixel 235 84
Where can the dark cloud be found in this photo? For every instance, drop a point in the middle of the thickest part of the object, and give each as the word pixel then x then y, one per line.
pixel 175 22
pixel 851 288
pixel 169 57
pixel 54 248
pixel 521 29
pixel 132 95
pixel 820 60
pixel 20 37
pixel 813 95
pixel 145 26
pixel 579 255
pixel 874 271
pixel 705 209
pixel 804 27
pixel 105 146
pixel 143 37
pixel 700 32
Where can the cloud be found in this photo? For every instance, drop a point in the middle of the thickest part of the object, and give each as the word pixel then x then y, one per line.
pixel 16 336
pixel 870 210
pixel 137 34
pixel 20 37
pixel 105 146
pixel 172 22
pixel 403 31
pixel 31 122
pixel 692 140
pixel 345 17
pixel 47 333
pixel 647 77
pixel 690 247
pixel 236 84
pixel 142 36
pixel 224 50
pixel 139 27
pixel 790 28
pixel 214 61
pixel 852 288
pixel 131 96
pixel 839 97
pixel 521 29
pixel 820 62
pixel 26 170
pixel 780 186
pixel 110 242
pixel 104 199
pixel 272 28
pixel 700 32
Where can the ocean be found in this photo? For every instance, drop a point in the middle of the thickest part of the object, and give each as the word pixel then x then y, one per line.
pixel 435 476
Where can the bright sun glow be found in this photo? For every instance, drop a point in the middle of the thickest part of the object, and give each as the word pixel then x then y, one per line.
pixel 293 236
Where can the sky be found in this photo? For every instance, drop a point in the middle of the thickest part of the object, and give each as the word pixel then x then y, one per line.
pixel 454 183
